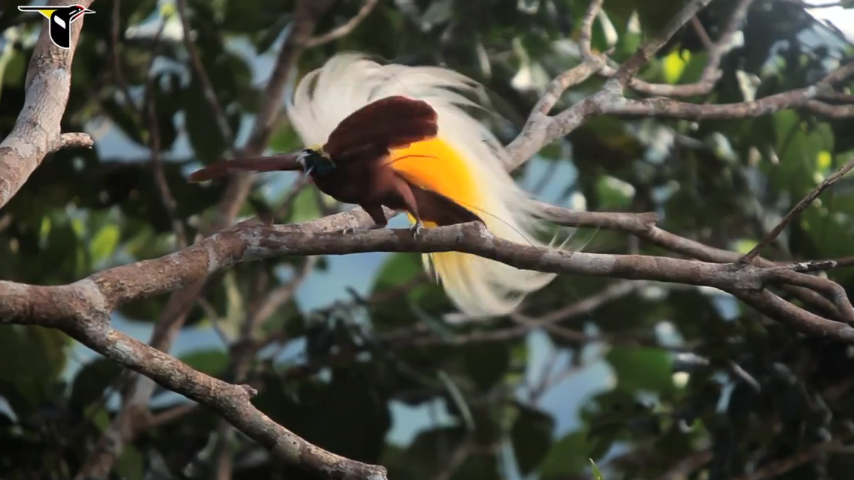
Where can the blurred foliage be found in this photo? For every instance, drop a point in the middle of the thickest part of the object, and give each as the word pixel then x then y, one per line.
pixel 718 182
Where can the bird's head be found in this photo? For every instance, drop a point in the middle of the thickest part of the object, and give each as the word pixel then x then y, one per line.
pixel 315 161
pixel 75 11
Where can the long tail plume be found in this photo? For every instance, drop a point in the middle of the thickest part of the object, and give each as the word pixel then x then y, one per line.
pixel 464 162
pixel 251 164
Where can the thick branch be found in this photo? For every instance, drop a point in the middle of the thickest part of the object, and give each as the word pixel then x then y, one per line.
pixel 243 243
pixel 661 107
pixel 37 130
pixel 125 426
pixel 91 327
pixel 643 226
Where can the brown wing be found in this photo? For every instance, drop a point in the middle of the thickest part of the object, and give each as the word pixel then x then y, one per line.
pixel 435 207
pixel 252 164
pixel 390 122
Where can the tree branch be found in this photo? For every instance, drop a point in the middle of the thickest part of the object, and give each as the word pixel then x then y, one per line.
pixel 774 469
pixel 643 226
pixel 345 29
pixel 82 309
pixel 37 130
pixel 711 72
pixel 110 288
pixel 207 87
pixel 125 426
pixel 796 211
pixel 804 98
pixel 633 65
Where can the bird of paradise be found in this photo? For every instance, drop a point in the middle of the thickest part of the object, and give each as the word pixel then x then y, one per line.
pixel 397 136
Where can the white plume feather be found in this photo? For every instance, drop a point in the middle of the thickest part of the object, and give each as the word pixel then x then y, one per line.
pixel 349 81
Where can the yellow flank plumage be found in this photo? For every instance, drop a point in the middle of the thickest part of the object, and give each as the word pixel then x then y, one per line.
pixel 464 163
pixel 435 165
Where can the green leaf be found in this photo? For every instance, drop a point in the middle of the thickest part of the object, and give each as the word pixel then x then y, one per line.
pixel 745 245
pixel 597 474
pixel 566 457
pixel 203 129
pixel 285 139
pixel 33 358
pixel 397 270
pixel 694 65
pixel 347 414
pixel 487 363
pixel 798 148
pixel 130 464
pixel 458 398
pixel 15 71
pixel 531 437
pixel 304 207
pixel 252 16
pixel 823 160
pixel 674 64
pixel 421 460
pixel 91 381
pixel 104 243
pixel 600 439
pixel 209 361
pixel 98 415
pixel 614 194
pixel 641 368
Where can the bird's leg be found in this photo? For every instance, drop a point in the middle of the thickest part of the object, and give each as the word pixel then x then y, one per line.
pixel 416 228
pixel 411 205
pixel 377 215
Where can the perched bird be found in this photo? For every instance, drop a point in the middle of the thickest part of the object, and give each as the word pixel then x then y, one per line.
pixel 353 166
pixel 397 136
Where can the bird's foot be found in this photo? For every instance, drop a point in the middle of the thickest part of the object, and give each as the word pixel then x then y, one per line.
pixel 267 218
pixel 416 229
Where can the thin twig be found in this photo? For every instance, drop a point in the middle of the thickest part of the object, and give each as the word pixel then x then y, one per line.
pixel 779 467
pixel 643 226
pixel 160 182
pixel 281 295
pixel 345 29
pixel 216 321
pixel 586 35
pixel 633 65
pixel 800 207
pixel 204 79
pixel 172 414
pixel 687 466
pixel 460 454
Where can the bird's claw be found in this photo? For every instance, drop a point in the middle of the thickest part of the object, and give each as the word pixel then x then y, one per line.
pixel 348 231
pixel 416 229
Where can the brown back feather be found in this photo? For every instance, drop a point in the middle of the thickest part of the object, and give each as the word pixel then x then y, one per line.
pixel 390 122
